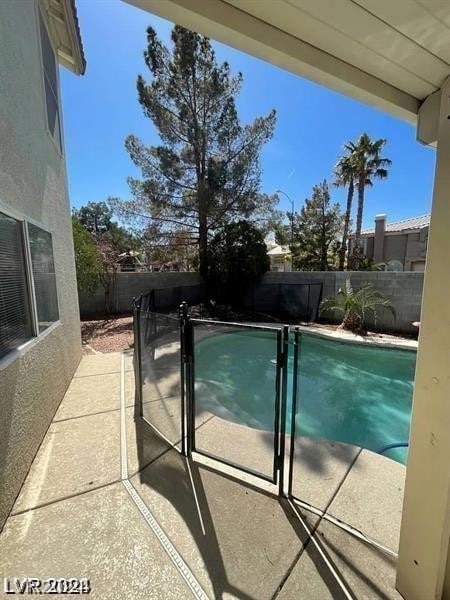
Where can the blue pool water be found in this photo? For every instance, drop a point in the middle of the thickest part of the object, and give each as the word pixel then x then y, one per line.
pixel 349 393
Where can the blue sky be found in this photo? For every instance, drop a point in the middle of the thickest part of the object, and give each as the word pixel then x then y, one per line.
pixel 101 109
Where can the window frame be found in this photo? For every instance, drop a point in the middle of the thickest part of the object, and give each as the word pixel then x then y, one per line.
pixel 36 336
pixel 31 268
pixel 58 143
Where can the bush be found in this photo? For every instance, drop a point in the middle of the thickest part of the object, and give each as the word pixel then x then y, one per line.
pixel 237 259
pixel 86 258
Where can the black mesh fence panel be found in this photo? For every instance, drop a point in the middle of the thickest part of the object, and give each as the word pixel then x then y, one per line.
pixel 236 379
pixel 289 302
pixel 294 302
pixel 160 374
pixel 170 298
pixel 192 294
pixel 266 298
pixel 315 296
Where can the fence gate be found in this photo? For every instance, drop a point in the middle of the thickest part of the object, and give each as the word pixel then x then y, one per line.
pixel 157 371
pixel 214 388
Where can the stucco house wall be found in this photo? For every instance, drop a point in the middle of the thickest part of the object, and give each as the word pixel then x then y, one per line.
pixel 395 248
pixel 404 241
pixel 32 185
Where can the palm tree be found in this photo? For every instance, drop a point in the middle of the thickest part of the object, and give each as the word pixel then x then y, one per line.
pixel 366 159
pixel 345 173
pixel 356 307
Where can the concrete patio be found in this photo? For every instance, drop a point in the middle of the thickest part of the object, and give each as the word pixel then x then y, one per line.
pixel 107 499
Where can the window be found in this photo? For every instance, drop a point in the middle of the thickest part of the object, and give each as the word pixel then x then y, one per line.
pixel 15 319
pixel 28 297
pixel 43 269
pixel 50 84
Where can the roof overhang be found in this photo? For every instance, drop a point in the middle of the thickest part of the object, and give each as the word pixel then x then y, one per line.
pixel 391 55
pixel 65 32
pixel 370 234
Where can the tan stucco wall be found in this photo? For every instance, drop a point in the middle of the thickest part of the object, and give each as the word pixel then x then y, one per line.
pixel 395 247
pixel 406 248
pixel 33 184
pixel 370 247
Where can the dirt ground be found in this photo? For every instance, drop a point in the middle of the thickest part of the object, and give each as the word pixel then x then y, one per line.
pixel 111 334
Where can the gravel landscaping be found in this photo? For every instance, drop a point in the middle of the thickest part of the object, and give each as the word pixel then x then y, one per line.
pixel 111 334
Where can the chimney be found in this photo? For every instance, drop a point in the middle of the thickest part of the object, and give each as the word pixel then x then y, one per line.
pixel 378 244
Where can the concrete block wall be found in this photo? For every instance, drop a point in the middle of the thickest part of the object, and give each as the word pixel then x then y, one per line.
pixel 326 277
pixel 403 289
pixel 130 285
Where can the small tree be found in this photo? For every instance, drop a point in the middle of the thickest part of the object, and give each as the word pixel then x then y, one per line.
pixel 316 230
pixel 355 307
pixel 122 239
pixel 95 217
pixel 109 240
pixel 237 259
pixel 86 258
pixel 175 247
pixel 283 232
pixel 108 257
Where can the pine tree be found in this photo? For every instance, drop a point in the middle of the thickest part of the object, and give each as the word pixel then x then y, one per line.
pixel 316 231
pixel 206 171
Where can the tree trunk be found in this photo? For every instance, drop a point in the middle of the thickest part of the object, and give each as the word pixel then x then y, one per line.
pixel 359 215
pixel 346 226
pixel 203 247
pixel 352 322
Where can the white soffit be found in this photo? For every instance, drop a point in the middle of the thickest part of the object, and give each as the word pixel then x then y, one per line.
pixel 65 31
pixel 391 54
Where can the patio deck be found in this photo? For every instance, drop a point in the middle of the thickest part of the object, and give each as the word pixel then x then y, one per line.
pixel 109 500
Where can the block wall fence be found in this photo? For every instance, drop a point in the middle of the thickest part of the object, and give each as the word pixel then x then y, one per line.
pixel 404 289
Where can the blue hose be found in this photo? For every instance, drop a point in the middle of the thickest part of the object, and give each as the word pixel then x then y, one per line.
pixel 390 446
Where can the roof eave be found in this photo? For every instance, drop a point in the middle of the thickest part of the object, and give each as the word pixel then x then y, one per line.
pixel 79 60
pixel 236 27
pixel 63 22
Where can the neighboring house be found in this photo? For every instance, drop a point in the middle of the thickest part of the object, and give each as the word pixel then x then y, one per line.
pixel 280 257
pixel 40 343
pixel 129 261
pixel 155 267
pixel 399 246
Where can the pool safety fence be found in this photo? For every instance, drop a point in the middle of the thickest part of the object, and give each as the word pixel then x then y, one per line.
pixel 170 298
pixel 181 386
pixel 290 302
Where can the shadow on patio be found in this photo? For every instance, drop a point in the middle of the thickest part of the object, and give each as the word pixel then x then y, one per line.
pixel 74 517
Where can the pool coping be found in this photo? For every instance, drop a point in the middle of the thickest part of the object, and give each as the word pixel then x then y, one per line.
pixel 372 339
pixel 352 338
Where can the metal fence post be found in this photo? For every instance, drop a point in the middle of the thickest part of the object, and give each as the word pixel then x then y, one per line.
pixel 187 386
pixel 293 408
pixel 283 410
pixel 182 315
pixel 191 395
pixel 137 349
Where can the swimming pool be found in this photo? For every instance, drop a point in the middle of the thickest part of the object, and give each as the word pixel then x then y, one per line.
pixel 350 393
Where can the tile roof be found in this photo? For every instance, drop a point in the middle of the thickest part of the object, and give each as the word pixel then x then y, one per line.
pixel 404 225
